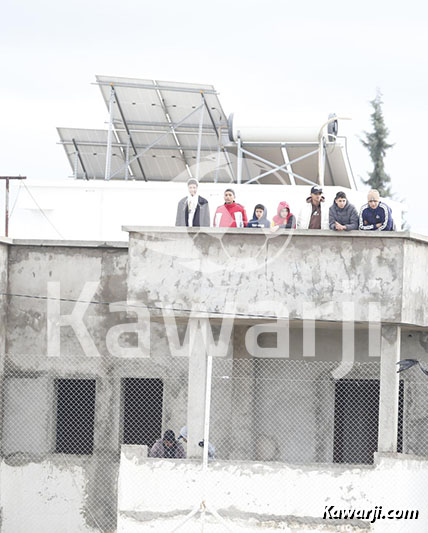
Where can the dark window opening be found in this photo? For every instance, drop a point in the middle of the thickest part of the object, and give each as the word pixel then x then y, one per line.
pixel 142 410
pixel 75 415
pixel 356 416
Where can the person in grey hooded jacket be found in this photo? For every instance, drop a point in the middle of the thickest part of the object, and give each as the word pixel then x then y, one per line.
pixel 342 215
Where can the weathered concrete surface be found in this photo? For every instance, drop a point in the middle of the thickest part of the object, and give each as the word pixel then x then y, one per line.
pixel 4 249
pixel 151 491
pixel 208 270
pixel 29 415
pixel 32 265
pixel 132 523
pixel 415 287
pixel 44 497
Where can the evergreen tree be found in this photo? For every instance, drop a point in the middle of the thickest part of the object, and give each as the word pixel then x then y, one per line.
pixel 377 146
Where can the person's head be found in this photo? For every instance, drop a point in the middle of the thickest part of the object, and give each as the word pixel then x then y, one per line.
pixel 316 193
pixel 259 211
pixel 229 196
pixel 340 199
pixel 283 209
pixel 192 185
pixel 169 438
pixel 183 433
pixel 283 213
pixel 373 198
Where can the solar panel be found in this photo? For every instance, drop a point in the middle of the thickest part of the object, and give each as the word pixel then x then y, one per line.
pixel 86 150
pixel 144 110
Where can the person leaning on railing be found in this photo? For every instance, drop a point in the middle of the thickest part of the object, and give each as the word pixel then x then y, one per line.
pixel 376 215
pixel 259 219
pixel 230 214
pixel 284 218
pixel 342 215
pixel 313 215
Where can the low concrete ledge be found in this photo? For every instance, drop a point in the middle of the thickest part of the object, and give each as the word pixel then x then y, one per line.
pixel 69 244
pixel 273 495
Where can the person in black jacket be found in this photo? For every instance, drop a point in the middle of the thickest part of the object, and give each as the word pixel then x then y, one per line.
pixel 259 219
pixel 342 215
pixel 193 210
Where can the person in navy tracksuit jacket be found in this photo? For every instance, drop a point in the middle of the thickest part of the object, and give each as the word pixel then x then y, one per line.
pixel 375 215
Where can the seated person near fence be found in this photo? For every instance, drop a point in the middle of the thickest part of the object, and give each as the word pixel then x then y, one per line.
pixel 211 448
pixel 259 219
pixel 230 214
pixel 342 215
pixel 168 447
pixel 375 215
pixel 313 215
pixel 284 218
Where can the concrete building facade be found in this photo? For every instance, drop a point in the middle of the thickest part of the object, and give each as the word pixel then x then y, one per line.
pixel 305 329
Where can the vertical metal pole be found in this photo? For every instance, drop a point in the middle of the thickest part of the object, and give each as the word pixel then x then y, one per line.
pixel 208 387
pixel 217 165
pixel 239 163
pixel 201 122
pixel 127 158
pixel 76 163
pixel 207 411
pixel 109 135
pixel 7 208
pixel 321 161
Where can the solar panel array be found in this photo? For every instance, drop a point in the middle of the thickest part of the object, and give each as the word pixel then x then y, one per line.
pixel 143 115
pixel 158 127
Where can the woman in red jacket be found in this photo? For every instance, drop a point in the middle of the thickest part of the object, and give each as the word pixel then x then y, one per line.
pixel 230 214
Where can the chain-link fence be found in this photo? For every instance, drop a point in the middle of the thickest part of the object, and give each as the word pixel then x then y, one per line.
pixel 262 410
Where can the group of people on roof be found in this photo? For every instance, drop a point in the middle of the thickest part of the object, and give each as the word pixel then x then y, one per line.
pixel 193 211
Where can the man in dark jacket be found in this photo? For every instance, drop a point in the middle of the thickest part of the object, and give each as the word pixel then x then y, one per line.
pixel 375 215
pixel 168 447
pixel 193 210
pixel 342 215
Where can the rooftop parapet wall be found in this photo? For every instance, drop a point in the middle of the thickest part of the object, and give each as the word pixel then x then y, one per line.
pixel 264 274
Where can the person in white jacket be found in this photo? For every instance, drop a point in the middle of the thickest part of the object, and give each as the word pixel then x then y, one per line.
pixel 314 215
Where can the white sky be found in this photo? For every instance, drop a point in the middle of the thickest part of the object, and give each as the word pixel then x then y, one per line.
pixel 266 58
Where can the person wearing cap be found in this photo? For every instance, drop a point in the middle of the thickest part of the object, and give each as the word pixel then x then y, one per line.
pixel 284 218
pixel 211 448
pixel 193 210
pixel 313 215
pixel 167 447
pixel 259 219
pixel 375 215
pixel 342 215
pixel 230 214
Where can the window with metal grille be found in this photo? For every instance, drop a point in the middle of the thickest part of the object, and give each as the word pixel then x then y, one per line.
pixel 356 416
pixel 75 415
pixel 142 410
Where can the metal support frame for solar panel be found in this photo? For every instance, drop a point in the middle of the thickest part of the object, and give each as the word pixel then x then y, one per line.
pixel 169 120
pixel 244 151
pixel 218 135
pixel 275 168
pixel 78 159
pixel 130 139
